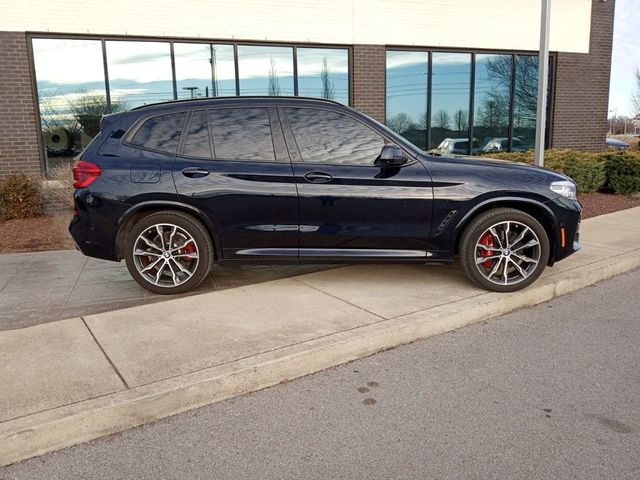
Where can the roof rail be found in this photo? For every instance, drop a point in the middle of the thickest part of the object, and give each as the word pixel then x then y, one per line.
pixel 238 98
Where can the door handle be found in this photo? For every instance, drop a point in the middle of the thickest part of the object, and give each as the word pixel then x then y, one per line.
pixel 318 177
pixel 195 172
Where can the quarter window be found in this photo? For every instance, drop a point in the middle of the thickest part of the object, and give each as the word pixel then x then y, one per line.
pixel 329 137
pixel 241 134
pixel 160 133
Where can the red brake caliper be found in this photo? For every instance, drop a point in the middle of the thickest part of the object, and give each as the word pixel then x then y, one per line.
pixel 190 248
pixel 487 241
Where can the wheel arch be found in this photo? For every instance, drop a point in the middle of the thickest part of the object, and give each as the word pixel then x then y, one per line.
pixel 136 212
pixel 536 209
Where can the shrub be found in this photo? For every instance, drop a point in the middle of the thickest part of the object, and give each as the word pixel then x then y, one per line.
pixel 586 169
pixel 623 171
pixel 21 197
pixel 520 157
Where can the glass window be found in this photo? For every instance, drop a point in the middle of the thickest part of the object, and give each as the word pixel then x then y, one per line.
pixel 525 100
pixel 72 100
pixel 324 73
pixel 160 133
pixel 407 89
pixel 241 134
pixel 197 143
pixel 329 137
pixel 451 86
pixel 204 70
pixel 492 100
pixel 139 72
pixel 265 70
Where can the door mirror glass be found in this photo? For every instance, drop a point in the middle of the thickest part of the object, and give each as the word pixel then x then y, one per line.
pixel 391 156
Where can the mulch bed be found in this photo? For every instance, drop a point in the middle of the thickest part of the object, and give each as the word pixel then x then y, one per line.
pixel 35 234
pixel 595 204
pixel 50 232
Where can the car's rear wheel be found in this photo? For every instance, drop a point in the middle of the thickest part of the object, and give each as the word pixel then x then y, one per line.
pixel 168 252
pixel 504 250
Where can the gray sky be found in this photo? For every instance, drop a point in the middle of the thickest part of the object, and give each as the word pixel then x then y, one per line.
pixel 625 57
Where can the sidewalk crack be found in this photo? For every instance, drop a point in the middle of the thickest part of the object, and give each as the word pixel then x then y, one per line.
pixel 338 298
pixel 115 369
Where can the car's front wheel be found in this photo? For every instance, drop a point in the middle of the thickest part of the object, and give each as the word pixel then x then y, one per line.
pixel 168 252
pixel 504 250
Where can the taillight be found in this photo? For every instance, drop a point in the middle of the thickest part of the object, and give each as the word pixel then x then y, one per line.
pixel 85 173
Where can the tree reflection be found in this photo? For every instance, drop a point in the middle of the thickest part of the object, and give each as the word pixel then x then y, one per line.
pixel 328 88
pixel 400 123
pixel 88 110
pixel 68 126
pixel 493 111
pixel 441 119
pixel 274 84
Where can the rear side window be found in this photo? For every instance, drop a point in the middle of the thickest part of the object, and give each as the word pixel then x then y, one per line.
pixel 160 133
pixel 198 143
pixel 241 134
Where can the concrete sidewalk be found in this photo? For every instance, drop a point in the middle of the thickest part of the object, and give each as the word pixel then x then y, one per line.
pixel 71 285
pixel 70 381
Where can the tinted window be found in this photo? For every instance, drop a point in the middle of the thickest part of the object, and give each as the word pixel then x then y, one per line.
pixel 204 70
pixel 329 137
pixel 71 101
pixel 139 72
pixel 160 133
pixel 265 70
pixel 197 143
pixel 407 92
pixel 450 92
pixel 492 97
pixel 323 72
pixel 241 134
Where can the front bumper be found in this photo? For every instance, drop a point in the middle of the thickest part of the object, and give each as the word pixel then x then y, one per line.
pixel 567 214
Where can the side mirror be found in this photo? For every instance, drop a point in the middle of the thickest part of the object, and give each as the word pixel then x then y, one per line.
pixel 391 156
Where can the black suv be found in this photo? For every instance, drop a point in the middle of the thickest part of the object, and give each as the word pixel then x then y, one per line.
pixel 174 187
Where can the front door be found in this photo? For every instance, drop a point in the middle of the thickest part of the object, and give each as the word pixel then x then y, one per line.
pixel 233 165
pixel 349 205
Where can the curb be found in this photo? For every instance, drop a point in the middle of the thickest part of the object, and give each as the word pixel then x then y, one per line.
pixel 69 425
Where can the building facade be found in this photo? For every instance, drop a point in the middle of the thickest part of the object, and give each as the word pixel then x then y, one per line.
pixel 429 69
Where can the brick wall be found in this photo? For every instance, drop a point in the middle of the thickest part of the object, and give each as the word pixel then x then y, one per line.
pixel 19 151
pixel 369 74
pixel 582 87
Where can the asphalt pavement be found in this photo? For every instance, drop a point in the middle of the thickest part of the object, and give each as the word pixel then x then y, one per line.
pixel 548 392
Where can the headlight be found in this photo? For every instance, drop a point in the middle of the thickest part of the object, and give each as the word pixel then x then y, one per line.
pixel 566 188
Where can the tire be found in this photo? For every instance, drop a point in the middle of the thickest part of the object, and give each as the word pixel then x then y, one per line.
pixel 525 254
pixel 165 269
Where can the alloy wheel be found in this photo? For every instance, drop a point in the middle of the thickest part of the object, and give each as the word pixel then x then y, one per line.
pixel 507 253
pixel 165 255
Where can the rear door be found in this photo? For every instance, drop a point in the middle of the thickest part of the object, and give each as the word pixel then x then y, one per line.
pixel 351 206
pixel 233 164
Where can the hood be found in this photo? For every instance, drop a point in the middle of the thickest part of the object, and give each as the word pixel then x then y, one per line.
pixel 484 162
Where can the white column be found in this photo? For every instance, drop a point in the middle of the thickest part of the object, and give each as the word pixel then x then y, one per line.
pixel 543 76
